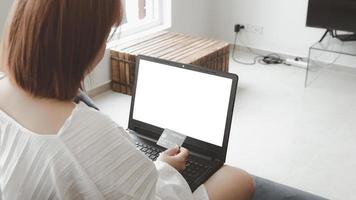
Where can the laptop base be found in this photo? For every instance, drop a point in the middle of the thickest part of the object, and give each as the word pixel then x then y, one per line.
pixel 198 169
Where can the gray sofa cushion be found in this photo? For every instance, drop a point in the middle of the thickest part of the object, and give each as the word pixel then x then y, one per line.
pixel 268 190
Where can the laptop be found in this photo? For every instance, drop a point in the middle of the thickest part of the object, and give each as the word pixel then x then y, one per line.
pixel 195 101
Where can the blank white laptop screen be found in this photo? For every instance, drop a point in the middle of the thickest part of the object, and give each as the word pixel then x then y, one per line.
pixel 189 102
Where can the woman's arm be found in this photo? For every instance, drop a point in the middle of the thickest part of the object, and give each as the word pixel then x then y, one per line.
pixel 82 97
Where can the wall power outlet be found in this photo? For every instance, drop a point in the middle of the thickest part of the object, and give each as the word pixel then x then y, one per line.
pixel 254 29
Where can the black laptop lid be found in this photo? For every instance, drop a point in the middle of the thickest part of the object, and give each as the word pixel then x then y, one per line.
pixel 195 101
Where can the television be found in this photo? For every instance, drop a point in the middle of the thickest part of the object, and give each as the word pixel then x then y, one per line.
pixel 333 15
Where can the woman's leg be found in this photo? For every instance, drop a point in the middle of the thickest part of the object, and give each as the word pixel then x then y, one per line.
pixel 230 183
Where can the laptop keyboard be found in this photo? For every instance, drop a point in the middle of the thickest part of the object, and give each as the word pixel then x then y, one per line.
pixel 192 171
pixel 148 150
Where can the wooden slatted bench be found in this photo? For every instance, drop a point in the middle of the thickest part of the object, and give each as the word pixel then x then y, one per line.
pixel 166 45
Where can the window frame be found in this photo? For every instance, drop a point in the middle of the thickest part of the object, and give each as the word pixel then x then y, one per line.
pixel 160 22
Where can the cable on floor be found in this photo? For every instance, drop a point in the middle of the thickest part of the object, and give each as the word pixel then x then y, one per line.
pixel 262 59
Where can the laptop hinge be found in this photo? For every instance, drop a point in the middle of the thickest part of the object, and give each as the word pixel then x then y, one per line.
pixel 201 155
pixel 141 136
pixel 192 152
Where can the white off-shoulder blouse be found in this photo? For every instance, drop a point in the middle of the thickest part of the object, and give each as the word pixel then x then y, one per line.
pixel 90 158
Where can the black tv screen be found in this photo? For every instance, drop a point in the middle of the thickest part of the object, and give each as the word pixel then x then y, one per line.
pixel 332 14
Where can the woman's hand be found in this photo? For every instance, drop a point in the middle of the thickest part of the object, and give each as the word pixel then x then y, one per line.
pixel 175 157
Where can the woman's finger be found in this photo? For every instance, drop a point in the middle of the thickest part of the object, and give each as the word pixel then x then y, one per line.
pixel 183 154
pixel 172 151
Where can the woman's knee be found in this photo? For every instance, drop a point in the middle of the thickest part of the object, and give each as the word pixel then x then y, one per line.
pixel 230 183
pixel 241 179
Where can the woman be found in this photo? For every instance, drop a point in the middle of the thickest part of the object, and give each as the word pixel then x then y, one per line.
pixel 51 148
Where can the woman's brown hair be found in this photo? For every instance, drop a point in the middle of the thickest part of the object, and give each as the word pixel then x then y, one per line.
pixel 50 45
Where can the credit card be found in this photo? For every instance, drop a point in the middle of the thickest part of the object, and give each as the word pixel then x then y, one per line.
pixel 170 139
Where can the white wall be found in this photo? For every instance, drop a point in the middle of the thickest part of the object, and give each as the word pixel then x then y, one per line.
pixel 283 23
pixel 192 17
pixel 101 75
pixel 4 9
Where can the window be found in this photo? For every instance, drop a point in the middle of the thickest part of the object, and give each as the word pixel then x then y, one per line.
pixel 142 15
pixel 140 11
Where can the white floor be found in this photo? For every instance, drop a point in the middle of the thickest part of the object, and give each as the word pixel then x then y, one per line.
pixel 302 137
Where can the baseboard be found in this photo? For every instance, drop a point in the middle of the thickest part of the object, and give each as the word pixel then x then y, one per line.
pixel 262 52
pixel 289 56
pixel 99 89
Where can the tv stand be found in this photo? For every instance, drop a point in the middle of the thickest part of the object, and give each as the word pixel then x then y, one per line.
pixel 326 32
pixel 346 37
pixel 342 37
pixel 317 63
